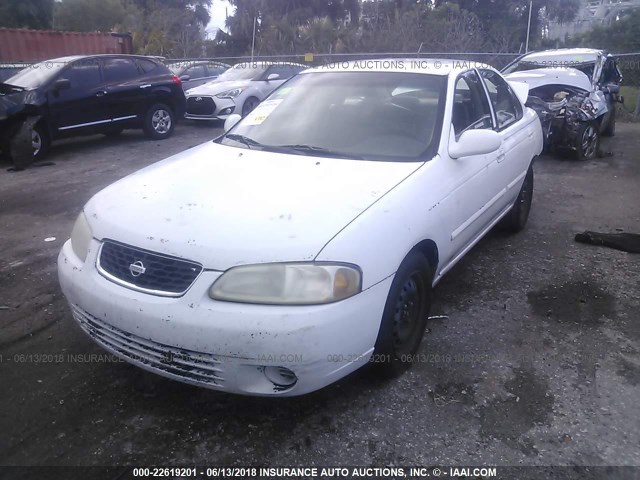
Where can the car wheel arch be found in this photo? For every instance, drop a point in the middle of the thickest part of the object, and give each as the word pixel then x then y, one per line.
pixel 429 249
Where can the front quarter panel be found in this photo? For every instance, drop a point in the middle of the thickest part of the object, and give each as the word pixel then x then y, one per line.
pixel 380 238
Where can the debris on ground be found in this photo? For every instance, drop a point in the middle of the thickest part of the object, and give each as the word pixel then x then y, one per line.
pixel 627 242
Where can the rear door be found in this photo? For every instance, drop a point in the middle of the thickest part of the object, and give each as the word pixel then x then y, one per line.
pixel 126 91
pixel 514 155
pixel 81 106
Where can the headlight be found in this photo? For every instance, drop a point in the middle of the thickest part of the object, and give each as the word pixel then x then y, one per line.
pixel 288 284
pixel 81 237
pixel 230 93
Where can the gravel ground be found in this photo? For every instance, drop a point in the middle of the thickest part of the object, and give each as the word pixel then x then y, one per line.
pixel 537 362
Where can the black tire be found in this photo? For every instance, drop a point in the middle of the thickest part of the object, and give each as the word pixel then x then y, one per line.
pixel 516 219
pixel 159 122
pixel 610 131
pixel 404 318
pixel 587 141
pixel 29 144
pixel 248 106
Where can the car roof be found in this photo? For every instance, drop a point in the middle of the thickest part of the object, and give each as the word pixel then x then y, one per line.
pixel 431 66
pixel 72 58
pixel 268 63
pixel 572 55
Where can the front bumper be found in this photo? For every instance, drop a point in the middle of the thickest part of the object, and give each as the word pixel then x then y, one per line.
pixel 211 108
pixel 220 345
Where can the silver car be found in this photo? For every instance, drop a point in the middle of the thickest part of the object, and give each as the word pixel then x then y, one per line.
pixel 196 73
pixel 238 90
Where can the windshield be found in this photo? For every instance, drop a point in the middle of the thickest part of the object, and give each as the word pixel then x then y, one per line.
pixel 363 115
pixel 243 71
pixel 522 66
pixel 35 75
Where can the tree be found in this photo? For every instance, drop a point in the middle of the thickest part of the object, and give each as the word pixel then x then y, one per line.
pixel 89 15
pixel 36 14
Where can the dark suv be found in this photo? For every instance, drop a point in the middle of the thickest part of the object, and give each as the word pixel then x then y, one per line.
pixel 84 95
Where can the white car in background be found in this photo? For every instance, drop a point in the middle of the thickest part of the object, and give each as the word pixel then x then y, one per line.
pixel 238 90
pixel 305 242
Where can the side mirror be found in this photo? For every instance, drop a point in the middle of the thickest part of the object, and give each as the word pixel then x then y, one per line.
pixel 474 142
pixel 185 78
pixel 273 76
pixel 231 121
pixel 61 84
pixel 612 89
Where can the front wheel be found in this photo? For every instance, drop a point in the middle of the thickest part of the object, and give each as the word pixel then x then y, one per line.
pixel 588 141
pixel 159 122
pixel 404 318
pixel 29 144
pixel 516 219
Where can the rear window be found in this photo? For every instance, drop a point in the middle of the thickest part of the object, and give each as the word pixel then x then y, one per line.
pixel 120 70
pixel 147 65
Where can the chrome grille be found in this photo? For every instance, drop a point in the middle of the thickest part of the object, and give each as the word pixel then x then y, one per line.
pixel 189 366
pixel 146 271
pixel 204 106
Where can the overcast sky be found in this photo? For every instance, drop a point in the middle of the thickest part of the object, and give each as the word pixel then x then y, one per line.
pixel 218 14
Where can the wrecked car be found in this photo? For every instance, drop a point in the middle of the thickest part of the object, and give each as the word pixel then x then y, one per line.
pixel 84 95
pixel 574 91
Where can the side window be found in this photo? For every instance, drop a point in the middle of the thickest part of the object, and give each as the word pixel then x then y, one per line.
pixel 120 70
pixel 146 65
pixel 505 102
pixel 215 70
pixel 610 74
pixel 285 71
pixel 196 72
pixel 470 106
pixel 84 74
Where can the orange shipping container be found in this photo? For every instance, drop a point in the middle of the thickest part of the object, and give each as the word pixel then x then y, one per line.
pixel 22 45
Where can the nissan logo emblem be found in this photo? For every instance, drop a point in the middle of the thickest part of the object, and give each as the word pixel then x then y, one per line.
pixel 137 268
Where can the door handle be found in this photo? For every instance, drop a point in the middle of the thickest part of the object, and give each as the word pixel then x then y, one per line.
pixel 501 155
pixel 146 85
pixel 101 93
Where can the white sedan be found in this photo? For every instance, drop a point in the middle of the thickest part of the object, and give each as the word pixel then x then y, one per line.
pixel 305 242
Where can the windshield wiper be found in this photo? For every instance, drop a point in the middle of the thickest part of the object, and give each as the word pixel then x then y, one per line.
pixel 314 150
pixel 249 142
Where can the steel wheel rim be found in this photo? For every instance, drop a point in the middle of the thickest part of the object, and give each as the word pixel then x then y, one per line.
pixel 161 121
pixel 36 142
pixel 589 141
pixel 406 317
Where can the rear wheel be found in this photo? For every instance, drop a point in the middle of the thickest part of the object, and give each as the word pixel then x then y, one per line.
pixel 588 141
pixel 610 131
pixel 516 219
pixel 404 317
pixel 159 122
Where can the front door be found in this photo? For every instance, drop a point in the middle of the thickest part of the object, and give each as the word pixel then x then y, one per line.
pixel 467 178
pixel 82 105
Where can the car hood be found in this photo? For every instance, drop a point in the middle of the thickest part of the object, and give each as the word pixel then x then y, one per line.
pixel 552 76
pixel 223 206
pixel 12 102
pixel 215 87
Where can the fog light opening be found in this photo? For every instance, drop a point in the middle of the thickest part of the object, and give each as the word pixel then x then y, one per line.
pixel 227 111
pixel 281 377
